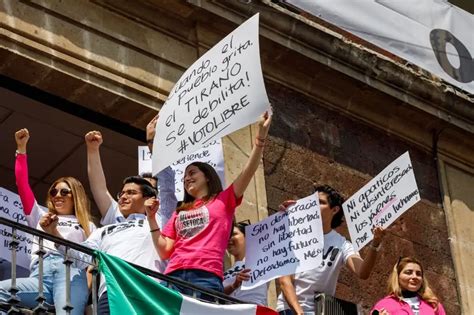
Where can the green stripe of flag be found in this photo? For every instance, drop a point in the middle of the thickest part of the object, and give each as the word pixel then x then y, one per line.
pixel 131 292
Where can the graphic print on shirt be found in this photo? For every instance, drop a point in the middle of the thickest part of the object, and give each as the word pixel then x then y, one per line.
pixel 190 222
pixel 233 271
pixel 74 224
pixel 330 256
pixel 112 228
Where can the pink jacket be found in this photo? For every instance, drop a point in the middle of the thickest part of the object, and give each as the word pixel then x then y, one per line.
pixel 396 307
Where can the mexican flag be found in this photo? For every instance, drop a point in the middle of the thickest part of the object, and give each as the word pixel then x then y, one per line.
pixel 131 292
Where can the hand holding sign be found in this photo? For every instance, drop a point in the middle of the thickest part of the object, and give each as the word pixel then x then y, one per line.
pixel 220 93
pixel 386 197
pixel 150 132
pixel 285 243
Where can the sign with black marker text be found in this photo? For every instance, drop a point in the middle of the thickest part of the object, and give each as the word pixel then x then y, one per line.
pixel 285 243
pixel 220 93
pixel 12 209
pixel 211 154
pixel 385 198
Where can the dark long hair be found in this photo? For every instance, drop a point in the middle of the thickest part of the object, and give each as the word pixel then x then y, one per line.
pixel 214 185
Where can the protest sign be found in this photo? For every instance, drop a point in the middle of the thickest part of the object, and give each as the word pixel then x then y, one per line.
pixel 12 209
pixel 386 197
pixel 211 154
pixel 284 243
pixel 220 93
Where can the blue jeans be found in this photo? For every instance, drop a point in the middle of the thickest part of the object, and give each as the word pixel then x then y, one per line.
pixel 290 312
pixel 54 286
pixel 201 278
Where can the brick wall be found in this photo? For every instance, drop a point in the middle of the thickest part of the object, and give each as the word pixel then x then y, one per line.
pixel 312 144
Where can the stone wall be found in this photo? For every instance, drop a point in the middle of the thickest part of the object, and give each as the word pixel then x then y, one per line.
pixel 313 145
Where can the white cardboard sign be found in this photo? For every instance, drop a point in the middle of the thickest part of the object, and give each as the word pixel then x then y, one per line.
pixel 12 209
pixel 385 198
pixel 211 154
pixel 285 243
pixel 220 93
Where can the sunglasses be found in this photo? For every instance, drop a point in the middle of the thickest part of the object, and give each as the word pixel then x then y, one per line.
pixel 63 192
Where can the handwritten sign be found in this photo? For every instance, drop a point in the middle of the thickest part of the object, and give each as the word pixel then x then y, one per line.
pixel 285 243
pixel 211 154
pixel 220 93
pixel 12 209
pixel 386 197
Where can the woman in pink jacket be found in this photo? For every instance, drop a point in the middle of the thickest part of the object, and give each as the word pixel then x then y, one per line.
pixel 408 292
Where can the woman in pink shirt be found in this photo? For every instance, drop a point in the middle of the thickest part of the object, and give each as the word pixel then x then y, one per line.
pixel 195 238
pixel 68 208
pixel 408 292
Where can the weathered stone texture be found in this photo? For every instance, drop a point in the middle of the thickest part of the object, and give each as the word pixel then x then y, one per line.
pixel 313 145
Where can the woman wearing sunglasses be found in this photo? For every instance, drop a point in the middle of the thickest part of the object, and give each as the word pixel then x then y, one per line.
pixel 195 238
pixel 408 292
pixel 234 276
pixel 68 207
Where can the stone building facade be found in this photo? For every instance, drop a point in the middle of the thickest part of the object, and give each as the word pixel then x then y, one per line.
pixel 343 110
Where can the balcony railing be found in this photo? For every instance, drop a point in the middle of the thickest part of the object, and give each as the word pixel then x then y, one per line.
pixel 13 304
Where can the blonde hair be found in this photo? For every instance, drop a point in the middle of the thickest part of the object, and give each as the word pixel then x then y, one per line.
pixel 424 292
pixel 81 202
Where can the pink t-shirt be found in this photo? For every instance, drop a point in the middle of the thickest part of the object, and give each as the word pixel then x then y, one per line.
pixel 201 234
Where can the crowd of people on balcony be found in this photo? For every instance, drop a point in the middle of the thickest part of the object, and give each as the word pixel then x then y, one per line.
pixel 187 240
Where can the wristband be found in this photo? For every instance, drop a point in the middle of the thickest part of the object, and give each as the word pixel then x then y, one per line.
pixel 149 141
pixel 154 230
pixel 18 152
pixel 376 248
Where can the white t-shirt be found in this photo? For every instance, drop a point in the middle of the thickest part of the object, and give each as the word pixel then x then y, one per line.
pixel 129 240
pixel 257 295
pixel 68 226
pixel 323 278
pixel 414 303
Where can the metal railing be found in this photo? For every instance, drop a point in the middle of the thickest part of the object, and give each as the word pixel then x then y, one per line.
pixel 12 306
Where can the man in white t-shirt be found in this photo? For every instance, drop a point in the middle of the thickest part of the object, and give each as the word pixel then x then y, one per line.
pixel 298 290
pixel 129 239
pixel 108 207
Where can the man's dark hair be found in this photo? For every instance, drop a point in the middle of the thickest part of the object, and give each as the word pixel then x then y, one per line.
pixel 149 175
pixel 335 200
pixel 146 189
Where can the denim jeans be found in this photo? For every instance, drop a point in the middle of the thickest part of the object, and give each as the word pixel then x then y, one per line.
pixel 201 278
pixel 290 312
pixel 54 286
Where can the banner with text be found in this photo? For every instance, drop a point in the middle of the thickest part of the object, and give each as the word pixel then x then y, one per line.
pixel 211 154
pixel 386 197
pixel 284 243
pixel 12 209
pixel 433 34
pixel 220 93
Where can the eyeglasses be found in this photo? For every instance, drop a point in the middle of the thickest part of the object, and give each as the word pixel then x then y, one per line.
pixel 63 192
pixel 130 192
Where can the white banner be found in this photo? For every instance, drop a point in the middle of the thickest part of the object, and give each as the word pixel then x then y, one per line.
pixel 220 93
pixel 12 209
pixel 432 34
pixel 211 154
pixel 284 243
pixel 386 197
